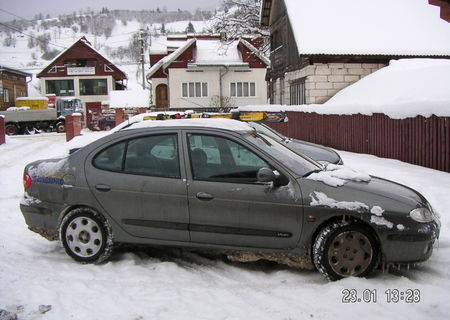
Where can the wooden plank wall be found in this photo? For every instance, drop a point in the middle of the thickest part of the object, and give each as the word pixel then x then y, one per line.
pixel 419 140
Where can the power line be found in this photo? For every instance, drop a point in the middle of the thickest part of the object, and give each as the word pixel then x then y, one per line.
pixel 15 15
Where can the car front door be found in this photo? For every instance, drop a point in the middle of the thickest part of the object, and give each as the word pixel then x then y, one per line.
pixel 228 206
pixel 138 182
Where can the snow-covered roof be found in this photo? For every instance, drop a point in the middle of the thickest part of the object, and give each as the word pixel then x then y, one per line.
pixel 88 44
pixel 405 81
pixel 170 58
pixel 256 51
pixel 210 52
pixel 31 98
pixel 129 99
pixel 406 88
pixel 369 27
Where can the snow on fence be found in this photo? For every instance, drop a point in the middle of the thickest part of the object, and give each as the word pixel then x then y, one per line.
pixel 419 140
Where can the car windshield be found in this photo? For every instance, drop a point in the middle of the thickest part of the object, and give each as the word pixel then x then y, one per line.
pixel 296 162
pixel 262 128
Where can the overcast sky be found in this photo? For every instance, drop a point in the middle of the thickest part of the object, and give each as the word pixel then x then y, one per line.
pixel 29 8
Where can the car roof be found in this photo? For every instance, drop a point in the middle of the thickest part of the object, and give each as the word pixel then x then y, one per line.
pixel 225 124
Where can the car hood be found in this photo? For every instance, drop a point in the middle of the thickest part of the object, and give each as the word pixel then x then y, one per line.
pixel 315 151
pixel 388 195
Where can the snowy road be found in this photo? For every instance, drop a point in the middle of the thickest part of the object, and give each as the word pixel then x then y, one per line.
pixel 175 284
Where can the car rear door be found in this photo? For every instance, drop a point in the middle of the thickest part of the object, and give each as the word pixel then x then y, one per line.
pixel 139 183
pixel 227 205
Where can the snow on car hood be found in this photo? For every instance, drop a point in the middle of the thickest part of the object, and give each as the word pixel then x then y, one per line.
pixel 338 175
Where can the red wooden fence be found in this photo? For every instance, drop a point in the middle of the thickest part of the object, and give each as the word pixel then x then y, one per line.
pixel 419 140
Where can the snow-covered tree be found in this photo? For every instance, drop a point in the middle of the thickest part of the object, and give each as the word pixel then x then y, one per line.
pixel 190 28
pixel 238 18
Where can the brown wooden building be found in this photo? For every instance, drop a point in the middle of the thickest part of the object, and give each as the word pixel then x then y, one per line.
pixel 81 71
pixel 321 47
pixel 13 84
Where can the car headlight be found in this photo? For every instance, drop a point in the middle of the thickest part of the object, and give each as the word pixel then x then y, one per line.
pixel 421 215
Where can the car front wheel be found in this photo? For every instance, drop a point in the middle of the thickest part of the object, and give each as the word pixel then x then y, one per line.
pixel 86 236
pixel 344 249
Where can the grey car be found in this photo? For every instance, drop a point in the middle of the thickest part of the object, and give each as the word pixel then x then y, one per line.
pixel 315 151
pixel 218 184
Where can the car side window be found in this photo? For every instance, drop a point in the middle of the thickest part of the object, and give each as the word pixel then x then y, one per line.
pixel 153 156
pixel 110 158
pixel 219 159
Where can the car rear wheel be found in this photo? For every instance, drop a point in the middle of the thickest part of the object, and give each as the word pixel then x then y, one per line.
pixel 344 249
pixel 86 236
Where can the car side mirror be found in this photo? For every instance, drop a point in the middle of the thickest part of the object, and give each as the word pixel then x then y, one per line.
pixel 269 175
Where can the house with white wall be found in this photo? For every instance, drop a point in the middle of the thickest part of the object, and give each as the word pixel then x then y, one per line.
pixel 320 47
pixel 201 71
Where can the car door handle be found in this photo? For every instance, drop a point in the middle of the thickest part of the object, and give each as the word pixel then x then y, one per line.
pixel 102 187
pixel 204 196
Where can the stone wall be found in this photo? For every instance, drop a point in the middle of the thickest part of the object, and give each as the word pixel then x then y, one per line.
pixel 324 80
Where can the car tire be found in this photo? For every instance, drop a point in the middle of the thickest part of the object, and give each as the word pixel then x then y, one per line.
pixel 60 127
pixel 11 129
pixel 344 249
pixel 86 236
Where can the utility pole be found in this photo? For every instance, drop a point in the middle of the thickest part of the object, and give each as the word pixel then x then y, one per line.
pixel 142 61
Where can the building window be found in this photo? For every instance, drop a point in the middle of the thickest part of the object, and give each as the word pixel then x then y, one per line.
pixel 5 95
pixel 298 92
pixel 93 87
pixel 60 87
pixel 194 89
pixel 242 89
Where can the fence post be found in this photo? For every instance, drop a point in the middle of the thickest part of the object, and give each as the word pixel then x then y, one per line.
pixel 2 130
pixel 119 116
pixel 73 126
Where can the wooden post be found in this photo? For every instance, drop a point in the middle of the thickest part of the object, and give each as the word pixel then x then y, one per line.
pixel 2 130
pixel 73 126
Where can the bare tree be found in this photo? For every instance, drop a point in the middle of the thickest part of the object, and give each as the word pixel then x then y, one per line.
pixel 238 18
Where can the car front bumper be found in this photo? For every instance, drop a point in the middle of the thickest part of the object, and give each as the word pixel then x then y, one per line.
pixel 410 245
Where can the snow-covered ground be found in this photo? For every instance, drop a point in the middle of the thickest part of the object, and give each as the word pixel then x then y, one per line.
pixel 171 284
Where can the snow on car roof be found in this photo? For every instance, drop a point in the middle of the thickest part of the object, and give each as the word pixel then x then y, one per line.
pixel 227 124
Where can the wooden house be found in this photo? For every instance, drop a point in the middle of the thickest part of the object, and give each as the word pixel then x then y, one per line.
pixel 13 84
pixel 81 71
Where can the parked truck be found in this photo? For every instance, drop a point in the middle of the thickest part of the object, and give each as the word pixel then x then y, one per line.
pixel 31 114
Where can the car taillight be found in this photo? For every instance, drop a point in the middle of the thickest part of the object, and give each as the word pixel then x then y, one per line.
pixel 27 181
